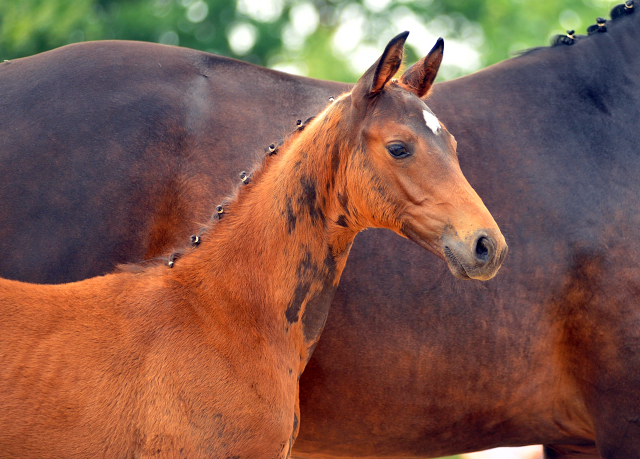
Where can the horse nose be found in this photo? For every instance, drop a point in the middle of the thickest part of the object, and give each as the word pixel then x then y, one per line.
pixel 484 250
pixel 489 251
pixel 479 256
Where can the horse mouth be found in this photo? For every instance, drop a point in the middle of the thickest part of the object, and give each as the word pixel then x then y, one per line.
pixel 461 261
pixel 421 241
pixel 455 266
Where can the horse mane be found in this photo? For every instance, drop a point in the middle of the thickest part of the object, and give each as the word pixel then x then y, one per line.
pixel 600 26
pixel 246 178
pixel 571 37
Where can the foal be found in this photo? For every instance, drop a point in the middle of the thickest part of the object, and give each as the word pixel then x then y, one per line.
pixel 203 360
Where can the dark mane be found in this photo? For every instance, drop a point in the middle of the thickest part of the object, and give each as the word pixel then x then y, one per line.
pixel 622 10
pixel 601 25
pixel 246 178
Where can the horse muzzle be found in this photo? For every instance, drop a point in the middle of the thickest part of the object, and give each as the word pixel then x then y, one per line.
pixel 476 257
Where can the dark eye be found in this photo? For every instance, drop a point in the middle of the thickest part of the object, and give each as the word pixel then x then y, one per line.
pixel 397 150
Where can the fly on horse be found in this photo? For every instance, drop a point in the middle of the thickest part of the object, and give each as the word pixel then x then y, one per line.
pixel 202 358
pixel 114 151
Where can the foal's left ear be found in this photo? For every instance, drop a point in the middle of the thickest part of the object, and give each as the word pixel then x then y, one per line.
pixel 420 76
pixel 374 79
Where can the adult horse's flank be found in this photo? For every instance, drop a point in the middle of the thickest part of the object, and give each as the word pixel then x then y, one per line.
pixel 203 358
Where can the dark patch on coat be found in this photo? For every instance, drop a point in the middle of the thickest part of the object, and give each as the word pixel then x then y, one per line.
pixel 335 159
pixel 317 306
pixel 342 221
pixel 597 98
pixel 293 310
pixel 343 199
pixel 335 164
pixel 317 309
pixel 309 199
pixel 291 217
pixel 307 271
pixel 330 263
pixel 381 190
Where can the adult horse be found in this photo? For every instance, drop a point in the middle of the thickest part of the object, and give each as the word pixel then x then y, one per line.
pixel 545 353
pixel 204 360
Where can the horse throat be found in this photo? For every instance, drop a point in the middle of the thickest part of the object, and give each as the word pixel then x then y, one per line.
pixel 316 245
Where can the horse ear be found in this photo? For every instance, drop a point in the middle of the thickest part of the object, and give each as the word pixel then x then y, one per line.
pixel 420 76
pixel 374 79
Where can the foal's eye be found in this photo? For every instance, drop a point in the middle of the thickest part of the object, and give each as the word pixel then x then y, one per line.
pixel 397 150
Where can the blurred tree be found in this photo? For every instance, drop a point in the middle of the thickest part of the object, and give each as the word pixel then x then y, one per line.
pixel 333 39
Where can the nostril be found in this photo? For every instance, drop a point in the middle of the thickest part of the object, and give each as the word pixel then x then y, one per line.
pixel 483 249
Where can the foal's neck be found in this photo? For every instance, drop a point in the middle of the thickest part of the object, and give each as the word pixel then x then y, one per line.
pixel 278 252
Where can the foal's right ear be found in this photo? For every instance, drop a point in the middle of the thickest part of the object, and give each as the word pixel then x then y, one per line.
pixel 420 76
pixel 371 83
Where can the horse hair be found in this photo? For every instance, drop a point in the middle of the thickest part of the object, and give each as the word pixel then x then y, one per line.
pixel 560 40
pixel 617 12
pixel 622 10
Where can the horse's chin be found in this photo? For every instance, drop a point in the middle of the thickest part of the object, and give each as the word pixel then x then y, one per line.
pixel 459 255
pixel 456 268
pixel 422 241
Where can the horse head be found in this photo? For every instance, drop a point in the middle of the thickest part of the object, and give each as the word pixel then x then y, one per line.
pixel 402 172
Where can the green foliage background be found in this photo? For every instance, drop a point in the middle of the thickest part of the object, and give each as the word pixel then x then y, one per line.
pixel 31 26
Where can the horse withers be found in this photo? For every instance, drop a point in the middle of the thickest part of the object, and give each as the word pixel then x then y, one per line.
pixel 201 357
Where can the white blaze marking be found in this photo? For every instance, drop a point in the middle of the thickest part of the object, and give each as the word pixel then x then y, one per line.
pixel 432 122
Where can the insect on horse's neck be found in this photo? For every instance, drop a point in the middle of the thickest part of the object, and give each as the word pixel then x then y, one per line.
pixel 277 254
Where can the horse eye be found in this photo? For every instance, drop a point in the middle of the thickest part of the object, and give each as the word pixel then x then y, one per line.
pixel 397 150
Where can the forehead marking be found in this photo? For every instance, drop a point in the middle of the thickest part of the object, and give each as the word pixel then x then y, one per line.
pixel 432 121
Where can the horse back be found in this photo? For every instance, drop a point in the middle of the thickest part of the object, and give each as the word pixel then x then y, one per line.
pixel 131 145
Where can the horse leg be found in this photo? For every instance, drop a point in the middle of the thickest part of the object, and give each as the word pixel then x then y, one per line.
pixel 571 452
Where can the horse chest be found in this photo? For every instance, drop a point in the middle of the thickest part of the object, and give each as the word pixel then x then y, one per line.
pixel 219 406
